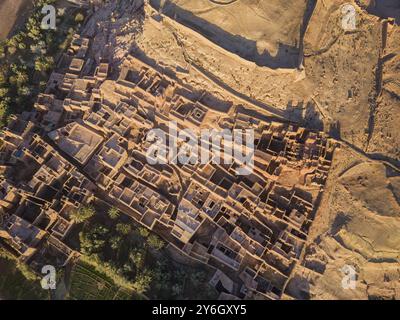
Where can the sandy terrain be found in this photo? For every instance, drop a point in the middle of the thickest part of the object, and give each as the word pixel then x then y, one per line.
pixel 266 32
pixel 357 225
pixel 10 13
pixel 386 136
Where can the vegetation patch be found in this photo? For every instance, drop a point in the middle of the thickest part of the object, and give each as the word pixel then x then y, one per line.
pixel 133 257
pixel 17 282
pixel 87 283
pixel 28 57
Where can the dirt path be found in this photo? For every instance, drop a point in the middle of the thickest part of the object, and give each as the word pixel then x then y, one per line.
pixel 12 12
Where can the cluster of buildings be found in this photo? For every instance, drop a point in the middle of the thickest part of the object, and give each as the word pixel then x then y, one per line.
pixel 86 138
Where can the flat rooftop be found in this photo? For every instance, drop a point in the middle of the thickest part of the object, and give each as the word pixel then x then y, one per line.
pixel 77 141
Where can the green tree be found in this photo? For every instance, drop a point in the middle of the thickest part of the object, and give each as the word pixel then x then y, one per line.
pixel 90 246
pixel 93 242
pixel 21 46
pixel 42 85
pixel 41 3
pixel 115 242
pixel 2 49
pixel 24 91
pixel 79 18
pixel 114 213
pixel 19 38
pixel 60 12
pixel 82 214
pixel 3 92
pixel 123 228
pixel 34 33
pixel 4 107
pixel 11 50
pixel 33 28
pixel 44 63
pixel 143 232
pixel 143 281
pixel 127 268
pixel 3 76
pixel 20 77
pixel 12 42
pixel 137 257
pixel 155 242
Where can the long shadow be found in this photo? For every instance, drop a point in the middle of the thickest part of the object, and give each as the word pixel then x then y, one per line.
pixel 311 4
pixel 307 116
pixel 207 99
pixel 385 9
pixel 286 57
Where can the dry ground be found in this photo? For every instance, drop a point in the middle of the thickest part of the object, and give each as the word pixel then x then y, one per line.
pixel 357 225
pixel 11 12
pixel 266 32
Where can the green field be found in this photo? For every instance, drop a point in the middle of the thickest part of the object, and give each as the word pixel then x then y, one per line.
pixel 133 257
pixel 89 284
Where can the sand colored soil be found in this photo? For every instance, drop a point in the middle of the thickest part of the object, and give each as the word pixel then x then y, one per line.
pixel 266 32
pixel 11 11
pixel 356 225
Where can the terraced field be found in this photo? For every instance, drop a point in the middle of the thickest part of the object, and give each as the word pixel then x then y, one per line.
pixel 89 284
